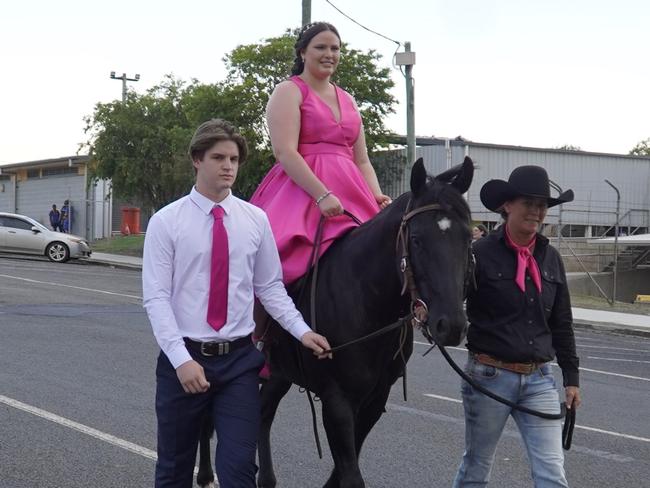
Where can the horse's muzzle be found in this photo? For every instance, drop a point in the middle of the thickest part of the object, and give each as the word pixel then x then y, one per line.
pixel 448 332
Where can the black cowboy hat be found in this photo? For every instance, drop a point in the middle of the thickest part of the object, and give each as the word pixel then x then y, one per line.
pixel 524 181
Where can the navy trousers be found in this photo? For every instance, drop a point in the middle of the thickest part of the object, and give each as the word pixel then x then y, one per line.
pixel 235 402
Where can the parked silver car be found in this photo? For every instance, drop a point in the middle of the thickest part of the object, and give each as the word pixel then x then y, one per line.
pixel 24 235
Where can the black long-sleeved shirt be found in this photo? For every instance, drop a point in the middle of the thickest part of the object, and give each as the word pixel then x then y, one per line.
pixel 514 326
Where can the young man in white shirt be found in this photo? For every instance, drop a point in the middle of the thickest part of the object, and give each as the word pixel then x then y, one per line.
pixel 207 362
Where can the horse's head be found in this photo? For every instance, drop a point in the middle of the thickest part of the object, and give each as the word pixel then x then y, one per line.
pixel 436 237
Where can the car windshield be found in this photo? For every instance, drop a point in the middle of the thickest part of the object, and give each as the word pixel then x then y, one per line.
pixel 35 223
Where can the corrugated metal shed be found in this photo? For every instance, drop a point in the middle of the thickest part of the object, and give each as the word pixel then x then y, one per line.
pixel 584 172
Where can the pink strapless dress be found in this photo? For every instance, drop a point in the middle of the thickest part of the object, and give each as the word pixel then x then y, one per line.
pixel 326 146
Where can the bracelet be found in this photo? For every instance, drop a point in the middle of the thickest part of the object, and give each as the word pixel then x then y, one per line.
pixel 323 197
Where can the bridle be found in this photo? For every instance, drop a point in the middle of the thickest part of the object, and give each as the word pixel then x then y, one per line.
pixel 418 308
pixel 419 313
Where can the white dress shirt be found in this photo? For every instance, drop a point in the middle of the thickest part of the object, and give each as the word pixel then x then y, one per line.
pixel 176 273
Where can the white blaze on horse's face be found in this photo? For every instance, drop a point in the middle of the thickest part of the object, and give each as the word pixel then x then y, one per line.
pixel 444 224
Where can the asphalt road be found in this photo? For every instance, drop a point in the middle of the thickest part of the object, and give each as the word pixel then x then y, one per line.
pixel 77 392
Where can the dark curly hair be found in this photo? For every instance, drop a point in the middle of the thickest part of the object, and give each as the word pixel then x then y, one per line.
pixel 307 33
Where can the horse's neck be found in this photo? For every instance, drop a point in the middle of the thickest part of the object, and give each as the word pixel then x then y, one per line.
pixel 373 246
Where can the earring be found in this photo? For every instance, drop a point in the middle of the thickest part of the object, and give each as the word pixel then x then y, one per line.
pixel 303 59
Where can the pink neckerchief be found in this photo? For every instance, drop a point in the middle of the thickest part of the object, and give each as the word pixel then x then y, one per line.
pixel 525 260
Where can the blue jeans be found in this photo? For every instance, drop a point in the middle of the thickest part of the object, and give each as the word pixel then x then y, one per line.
pixel 486 418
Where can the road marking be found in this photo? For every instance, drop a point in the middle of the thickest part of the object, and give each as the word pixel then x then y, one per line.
pixel 619 359
pixel 615 348
pixel 592 429
pixel 71 286
pixel 613 374
pixel 640 378
pixel 97 434
pixel 508 432
pixel 439 397
pixel 617 434
pixel 84 429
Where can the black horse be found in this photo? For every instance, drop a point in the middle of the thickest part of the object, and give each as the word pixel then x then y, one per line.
pixel 419 243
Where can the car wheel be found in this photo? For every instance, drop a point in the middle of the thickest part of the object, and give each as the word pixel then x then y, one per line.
pixel 57 252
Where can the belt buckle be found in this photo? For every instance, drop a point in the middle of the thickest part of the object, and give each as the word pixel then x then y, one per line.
pixel 204 351
pixel 530 369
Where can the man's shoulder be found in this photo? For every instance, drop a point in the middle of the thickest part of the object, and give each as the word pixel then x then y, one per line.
pixel 171 210
pixel 253 211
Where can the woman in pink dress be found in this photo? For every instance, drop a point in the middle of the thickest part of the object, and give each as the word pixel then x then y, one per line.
pixel 322 163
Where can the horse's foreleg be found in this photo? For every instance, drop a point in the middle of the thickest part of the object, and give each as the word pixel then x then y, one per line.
pixel 339 422
pixel 205 476
pixel 368 416
pixel 272 392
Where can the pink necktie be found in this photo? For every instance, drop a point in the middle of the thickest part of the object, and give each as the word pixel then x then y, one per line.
pixel 218 298
pixel 525 261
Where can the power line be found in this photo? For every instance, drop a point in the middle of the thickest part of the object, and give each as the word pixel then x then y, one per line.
pixel 363 26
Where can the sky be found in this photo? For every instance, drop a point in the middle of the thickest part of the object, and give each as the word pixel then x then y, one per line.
pixel 543 73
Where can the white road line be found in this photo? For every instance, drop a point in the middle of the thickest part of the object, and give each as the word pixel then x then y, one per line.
pixel 640 378
pixel 609 348
pixel 617 434
pixel 94 290
pixel 619 359
pixel 439 397
pixel 592 429
pixel 97 434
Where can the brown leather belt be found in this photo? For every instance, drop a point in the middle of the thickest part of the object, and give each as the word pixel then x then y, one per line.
pixel 521 368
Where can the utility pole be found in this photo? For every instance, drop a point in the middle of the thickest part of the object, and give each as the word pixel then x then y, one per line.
pixel 407 59
pixel 306 12
pixel 124 80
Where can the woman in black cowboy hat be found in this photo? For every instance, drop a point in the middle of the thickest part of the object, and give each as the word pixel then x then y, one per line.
pixel 520 319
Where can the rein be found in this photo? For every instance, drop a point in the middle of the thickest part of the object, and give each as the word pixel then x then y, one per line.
pixel 403 322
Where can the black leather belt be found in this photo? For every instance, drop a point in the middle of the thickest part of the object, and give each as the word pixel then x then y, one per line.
pixel 215 348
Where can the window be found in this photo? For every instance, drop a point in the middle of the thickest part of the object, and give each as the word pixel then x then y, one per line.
pixel 33 173
pixel 63 170
pixel 16 223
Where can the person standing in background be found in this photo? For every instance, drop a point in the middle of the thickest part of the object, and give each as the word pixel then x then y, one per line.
pixel 55 219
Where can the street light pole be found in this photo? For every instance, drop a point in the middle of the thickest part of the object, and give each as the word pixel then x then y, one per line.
pixel 618 209
pixel 124 79
pixel 559 215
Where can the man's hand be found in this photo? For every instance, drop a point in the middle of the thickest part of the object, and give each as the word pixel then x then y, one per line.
pixel 572 396
pixel 192 377
pixel 317 343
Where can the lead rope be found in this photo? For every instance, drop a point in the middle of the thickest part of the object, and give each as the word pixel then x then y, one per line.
pixel 568 414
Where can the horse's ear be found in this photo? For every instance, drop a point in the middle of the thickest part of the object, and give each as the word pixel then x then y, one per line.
pixel 418 177
pixel 460 176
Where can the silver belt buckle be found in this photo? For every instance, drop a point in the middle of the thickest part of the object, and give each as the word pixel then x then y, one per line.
pixel 203 351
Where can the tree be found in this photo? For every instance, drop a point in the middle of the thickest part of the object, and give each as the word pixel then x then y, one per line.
pixel 258 68
pixel 141 144
pixel 642 148
pixel 569 147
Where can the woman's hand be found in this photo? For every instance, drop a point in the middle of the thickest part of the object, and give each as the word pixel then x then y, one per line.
pixel 383 200
pixel 330 206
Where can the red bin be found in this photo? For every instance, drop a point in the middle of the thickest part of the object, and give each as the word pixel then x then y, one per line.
pixel 130 221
